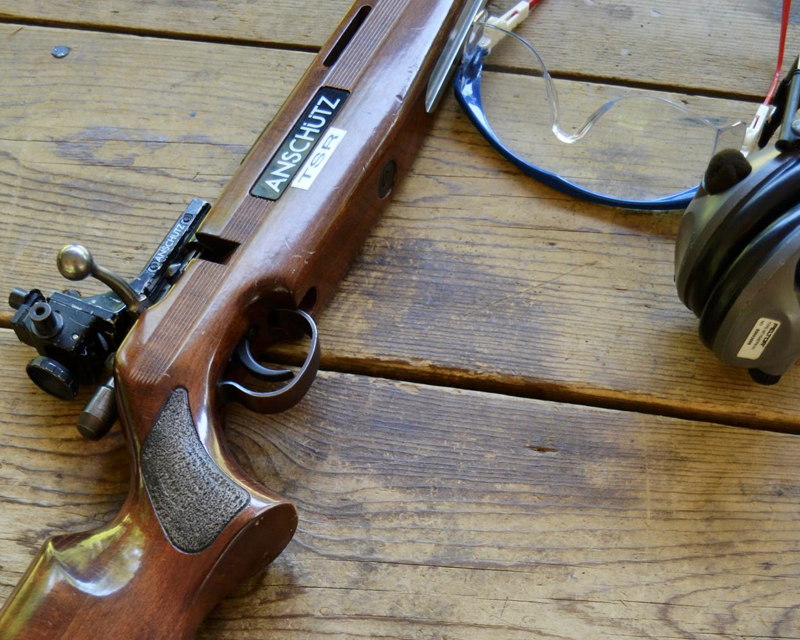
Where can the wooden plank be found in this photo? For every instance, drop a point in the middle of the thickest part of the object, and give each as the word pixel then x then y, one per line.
pixel 697 44
pixel 436 513
pixel 475 277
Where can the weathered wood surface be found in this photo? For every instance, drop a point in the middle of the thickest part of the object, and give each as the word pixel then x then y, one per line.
pixel 719 45
pixel 426 512
pixel 436 513
pixel 477 276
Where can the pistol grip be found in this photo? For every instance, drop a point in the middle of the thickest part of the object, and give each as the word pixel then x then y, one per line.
pixel 192 528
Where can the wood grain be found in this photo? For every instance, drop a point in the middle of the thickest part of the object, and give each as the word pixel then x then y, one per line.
pixel 426 512
pixel 476 276
pixel 437 513
pixel 717 45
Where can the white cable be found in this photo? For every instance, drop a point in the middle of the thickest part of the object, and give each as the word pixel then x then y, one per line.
pixel 755 128
pixel 509 21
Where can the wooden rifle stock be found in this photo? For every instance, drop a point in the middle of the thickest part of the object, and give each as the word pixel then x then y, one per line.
pixel 193 525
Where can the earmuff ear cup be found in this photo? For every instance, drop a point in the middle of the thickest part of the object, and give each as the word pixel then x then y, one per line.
pixel 771 191
pixel 733 282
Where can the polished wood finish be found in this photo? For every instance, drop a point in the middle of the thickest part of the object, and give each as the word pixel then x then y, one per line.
pixel 127 579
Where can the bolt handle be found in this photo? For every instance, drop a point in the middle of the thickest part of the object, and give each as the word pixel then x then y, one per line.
pixel 75 262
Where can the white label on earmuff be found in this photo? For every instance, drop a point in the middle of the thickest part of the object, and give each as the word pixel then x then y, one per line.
pixel 759 338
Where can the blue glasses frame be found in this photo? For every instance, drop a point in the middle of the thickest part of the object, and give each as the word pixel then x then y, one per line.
pixel 467 86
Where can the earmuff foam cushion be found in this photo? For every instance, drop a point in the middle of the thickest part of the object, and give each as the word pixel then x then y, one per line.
pixel 727 168
pixel 775 190
pixel 732 283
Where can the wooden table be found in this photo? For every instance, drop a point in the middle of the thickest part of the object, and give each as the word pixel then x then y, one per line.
pixel 516 434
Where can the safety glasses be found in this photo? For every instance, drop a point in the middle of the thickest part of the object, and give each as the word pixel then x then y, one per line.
pixel 624 148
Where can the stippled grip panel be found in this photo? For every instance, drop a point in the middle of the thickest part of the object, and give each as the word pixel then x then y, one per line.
pixel 193 499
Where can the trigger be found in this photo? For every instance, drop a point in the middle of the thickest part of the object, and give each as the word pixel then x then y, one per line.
pixel 299 383
pixel 257 369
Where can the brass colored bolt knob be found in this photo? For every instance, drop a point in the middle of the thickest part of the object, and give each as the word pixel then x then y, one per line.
pixel 75 262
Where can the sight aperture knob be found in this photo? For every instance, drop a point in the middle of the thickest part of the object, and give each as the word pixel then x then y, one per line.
pixel 46 322
pixel 100 413
pixel 53 377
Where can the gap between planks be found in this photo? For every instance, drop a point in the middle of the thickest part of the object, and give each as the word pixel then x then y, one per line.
pixel 561 393
pixel 565 394
pixel 299 48
pixel 161 35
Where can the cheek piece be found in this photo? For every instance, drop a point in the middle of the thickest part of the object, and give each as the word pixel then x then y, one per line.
pixel 738 249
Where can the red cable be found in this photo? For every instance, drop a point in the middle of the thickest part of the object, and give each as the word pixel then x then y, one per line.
pixel 787 8
pixel 532 4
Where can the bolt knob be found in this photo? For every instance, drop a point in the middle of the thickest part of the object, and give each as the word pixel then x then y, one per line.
pixel 75 262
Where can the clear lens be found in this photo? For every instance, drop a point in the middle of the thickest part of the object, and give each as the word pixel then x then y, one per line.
pixel 621 143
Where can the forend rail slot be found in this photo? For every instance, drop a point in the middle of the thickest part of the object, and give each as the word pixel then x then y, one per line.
pixel 349 33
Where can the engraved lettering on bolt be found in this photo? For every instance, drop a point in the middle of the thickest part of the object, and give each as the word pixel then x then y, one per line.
pixel 169 242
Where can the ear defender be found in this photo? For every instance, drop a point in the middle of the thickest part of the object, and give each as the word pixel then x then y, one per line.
pixel 738 251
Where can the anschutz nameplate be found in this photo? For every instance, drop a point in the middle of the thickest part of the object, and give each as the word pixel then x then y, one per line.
pixel 299 144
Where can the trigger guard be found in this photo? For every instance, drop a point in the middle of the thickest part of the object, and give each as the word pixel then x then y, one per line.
pixel 290 394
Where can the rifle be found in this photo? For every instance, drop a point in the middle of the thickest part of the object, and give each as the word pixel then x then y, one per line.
pixel 181 340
